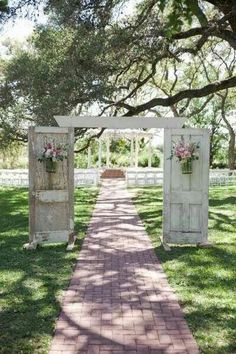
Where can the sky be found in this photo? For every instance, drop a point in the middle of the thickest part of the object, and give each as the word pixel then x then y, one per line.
pixel 21 28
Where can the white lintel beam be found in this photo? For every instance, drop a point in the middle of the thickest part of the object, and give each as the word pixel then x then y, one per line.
pixel 119 122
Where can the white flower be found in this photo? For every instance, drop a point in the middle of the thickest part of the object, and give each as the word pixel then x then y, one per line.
pixel 48 153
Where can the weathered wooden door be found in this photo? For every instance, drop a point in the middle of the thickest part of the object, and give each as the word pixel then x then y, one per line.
pixel 51 195
pixel 185 209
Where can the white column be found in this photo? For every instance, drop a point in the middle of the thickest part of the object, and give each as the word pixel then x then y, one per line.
pixel 136 150
pixel 108 152
pixel 100 153
pixel 132 153
pixel 150 152
pixel 89 157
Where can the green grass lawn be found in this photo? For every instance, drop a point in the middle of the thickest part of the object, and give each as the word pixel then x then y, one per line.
pixel 32 282
pixel 204 279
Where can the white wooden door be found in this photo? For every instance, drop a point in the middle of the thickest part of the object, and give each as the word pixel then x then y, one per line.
pixel 51 195
pixel 185 208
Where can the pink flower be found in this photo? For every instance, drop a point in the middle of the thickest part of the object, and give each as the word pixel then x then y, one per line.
pixel 50 151
pixel 187 154
pixel 184 150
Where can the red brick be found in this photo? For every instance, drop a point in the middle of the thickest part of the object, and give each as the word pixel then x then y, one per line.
pixel 119 300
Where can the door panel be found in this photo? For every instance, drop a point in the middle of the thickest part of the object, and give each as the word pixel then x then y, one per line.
pixel 176 212
pixel 195 217
pixel 185 214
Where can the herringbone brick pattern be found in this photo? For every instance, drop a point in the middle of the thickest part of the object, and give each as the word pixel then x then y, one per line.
pixel 119 300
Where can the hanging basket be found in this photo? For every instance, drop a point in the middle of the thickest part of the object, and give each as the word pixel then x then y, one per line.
pixel 186 167
pixel 51 166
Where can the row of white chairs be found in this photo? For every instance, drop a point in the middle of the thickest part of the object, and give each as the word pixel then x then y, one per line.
pixel 145 177
pixel 86 177
pixel 155 177
pixel 222 180
pixel 19 178
pixel 138 177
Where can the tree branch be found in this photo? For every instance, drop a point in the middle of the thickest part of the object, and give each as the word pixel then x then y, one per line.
pixel 94 136
pixel 199 110
pixel 186 94
pixel 212 30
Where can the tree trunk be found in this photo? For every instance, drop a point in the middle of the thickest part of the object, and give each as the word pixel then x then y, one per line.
pixel 231 147
pixel 211 157
pixel 231 150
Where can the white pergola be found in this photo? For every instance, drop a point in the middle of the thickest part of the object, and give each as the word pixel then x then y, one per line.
pixel 121 127
pixel 134 135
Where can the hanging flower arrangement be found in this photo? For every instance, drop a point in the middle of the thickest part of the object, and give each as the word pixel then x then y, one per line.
pixel 51 154
pixel 185 152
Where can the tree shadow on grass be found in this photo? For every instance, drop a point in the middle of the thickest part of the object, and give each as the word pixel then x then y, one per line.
pixel 32 283
pixel 205 279
pixel 213 325
pixel 222 202
pixel 149 195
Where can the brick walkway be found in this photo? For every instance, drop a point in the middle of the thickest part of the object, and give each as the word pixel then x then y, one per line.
pixel 119 300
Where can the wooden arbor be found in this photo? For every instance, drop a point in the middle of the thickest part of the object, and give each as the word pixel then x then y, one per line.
pixel 185 202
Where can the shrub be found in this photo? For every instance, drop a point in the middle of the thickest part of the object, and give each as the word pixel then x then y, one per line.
pixel 143 160
pixel 221 164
